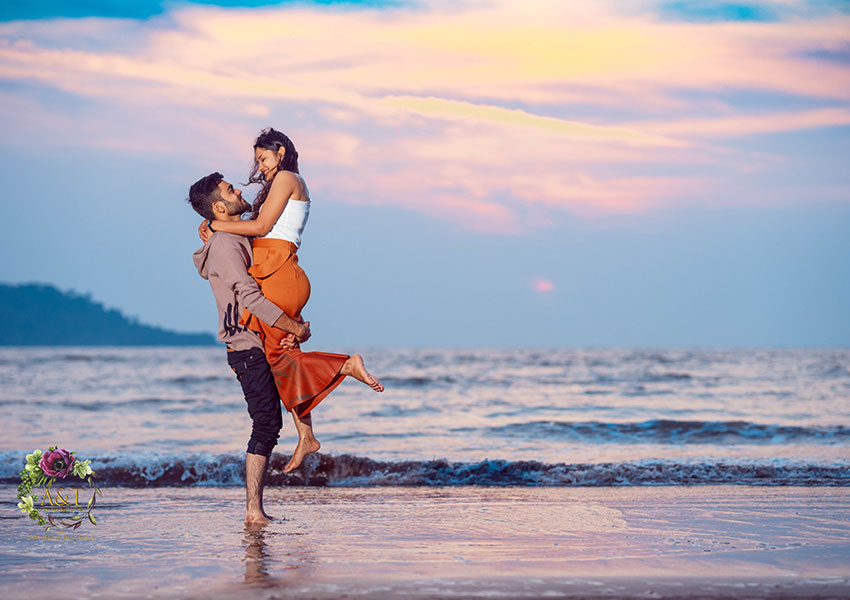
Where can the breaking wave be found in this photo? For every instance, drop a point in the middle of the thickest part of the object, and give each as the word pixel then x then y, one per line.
pixel 222 470
pixel 661 431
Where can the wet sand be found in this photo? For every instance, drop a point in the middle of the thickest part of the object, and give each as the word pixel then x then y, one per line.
pixel 648 542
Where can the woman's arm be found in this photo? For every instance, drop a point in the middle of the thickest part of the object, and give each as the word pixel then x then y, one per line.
pixel 283 186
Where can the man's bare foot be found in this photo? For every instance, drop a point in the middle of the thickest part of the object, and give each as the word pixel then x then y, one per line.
pixel 256 518
pixel 354 367
pixel 303 448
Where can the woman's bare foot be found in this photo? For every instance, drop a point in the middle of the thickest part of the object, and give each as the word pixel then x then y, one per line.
pixel 354 367
pixel 303 448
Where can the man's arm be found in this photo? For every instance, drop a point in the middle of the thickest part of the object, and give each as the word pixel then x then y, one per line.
pixel 301 331
pixel 232 267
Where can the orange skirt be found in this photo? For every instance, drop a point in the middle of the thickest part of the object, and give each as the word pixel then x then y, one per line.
pixel 303 379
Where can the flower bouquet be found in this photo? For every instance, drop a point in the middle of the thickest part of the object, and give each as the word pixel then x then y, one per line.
pixel 44 468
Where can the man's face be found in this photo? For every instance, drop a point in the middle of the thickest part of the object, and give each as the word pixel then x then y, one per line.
pixel 232 199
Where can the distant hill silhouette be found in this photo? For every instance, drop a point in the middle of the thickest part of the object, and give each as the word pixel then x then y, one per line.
pixel 41 315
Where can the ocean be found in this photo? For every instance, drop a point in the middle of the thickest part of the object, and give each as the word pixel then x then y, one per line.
pixel 155 417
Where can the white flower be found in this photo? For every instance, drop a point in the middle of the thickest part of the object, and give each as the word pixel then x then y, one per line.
pixel 33 460
pixel 82 468
pixel 26 504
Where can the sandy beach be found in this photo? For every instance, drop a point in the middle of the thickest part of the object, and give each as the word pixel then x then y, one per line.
pixel 648 542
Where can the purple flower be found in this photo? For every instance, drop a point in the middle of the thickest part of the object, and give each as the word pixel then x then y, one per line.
pixel 56 463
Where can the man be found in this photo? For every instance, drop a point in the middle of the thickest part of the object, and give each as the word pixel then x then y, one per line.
pixel 224 261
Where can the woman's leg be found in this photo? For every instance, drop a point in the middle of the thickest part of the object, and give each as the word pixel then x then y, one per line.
pixel 307 442
pixel 305 378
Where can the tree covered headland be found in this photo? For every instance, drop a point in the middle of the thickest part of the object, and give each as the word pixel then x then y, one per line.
pixel 41 315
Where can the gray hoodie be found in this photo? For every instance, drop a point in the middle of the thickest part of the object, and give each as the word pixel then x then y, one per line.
pixel 224 261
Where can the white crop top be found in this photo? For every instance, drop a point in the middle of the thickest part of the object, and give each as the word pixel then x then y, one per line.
pixel 290 224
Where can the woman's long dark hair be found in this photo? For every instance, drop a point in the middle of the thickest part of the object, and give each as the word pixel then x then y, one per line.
pixel 271 139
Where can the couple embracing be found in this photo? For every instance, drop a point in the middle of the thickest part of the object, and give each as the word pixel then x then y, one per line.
pixel 260 291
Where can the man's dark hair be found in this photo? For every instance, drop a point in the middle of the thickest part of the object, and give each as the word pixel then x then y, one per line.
pixel 203 193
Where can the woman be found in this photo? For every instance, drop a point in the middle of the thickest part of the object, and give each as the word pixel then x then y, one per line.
pixel 280 212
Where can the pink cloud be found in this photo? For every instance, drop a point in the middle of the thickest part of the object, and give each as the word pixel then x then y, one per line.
pixel 744 124
pixel 497 116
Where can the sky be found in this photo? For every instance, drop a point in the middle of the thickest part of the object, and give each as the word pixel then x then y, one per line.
pixel 483 173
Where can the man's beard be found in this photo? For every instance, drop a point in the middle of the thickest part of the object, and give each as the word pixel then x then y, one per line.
pixel 237 208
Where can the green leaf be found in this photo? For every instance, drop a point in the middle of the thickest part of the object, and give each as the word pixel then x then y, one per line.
pixel 92 519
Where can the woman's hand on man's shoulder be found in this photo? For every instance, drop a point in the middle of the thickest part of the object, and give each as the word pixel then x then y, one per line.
pixel 204 231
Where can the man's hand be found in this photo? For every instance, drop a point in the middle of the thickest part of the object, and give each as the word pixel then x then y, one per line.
pixel 300 331
pixel 204 231
pixel 305 334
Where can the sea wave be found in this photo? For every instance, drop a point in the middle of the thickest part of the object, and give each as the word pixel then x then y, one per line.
pixel 665 431
pixel 194 405
pixel 196 379
pixel 417 382
pixel 223 470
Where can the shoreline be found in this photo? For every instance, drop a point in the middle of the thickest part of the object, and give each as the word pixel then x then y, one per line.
pixel 656 542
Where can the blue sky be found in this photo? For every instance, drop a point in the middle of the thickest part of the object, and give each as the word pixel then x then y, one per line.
pixel 590 188
pixel 122 9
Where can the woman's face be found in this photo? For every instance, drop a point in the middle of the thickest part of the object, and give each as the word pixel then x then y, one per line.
pixel 267 161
